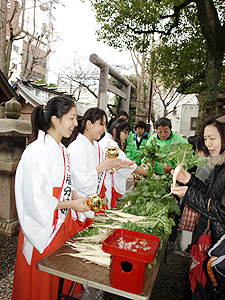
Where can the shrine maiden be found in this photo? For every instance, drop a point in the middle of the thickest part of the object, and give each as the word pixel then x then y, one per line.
pixel 89 168
pixel 44 199
pixel 115 183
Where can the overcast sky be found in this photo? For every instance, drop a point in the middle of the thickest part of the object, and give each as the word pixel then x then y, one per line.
pixel 76 25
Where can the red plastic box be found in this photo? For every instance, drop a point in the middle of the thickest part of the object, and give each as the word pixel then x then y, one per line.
pixel 131 251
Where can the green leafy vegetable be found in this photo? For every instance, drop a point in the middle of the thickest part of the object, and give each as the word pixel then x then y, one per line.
pixel 183 153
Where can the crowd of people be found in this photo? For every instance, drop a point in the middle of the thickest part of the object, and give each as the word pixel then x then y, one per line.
pixel 53 182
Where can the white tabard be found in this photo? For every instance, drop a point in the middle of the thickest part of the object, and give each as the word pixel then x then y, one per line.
pixel 85 157
pixel 40 169
pixel 120 176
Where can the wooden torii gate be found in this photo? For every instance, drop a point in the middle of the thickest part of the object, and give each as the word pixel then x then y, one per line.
pixel 105 86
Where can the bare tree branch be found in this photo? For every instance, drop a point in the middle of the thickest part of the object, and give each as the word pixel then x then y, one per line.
pixel 81 76
pixel 169 97
pixel 175 15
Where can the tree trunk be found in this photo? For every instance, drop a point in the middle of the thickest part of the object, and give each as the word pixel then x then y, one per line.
pixel 3 18
pixel 8 55
pixel 25 66
pixel 214 35
pixel 207 98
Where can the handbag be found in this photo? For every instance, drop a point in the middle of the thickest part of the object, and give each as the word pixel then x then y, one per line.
pixel 197 272
pixel 188 219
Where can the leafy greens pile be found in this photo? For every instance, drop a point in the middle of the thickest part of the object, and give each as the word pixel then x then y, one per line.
pixel 145 200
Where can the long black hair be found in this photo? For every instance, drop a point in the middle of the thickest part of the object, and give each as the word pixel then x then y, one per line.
pixel 92 114
pixel 220 127
pixel 120 125
pixel 41 117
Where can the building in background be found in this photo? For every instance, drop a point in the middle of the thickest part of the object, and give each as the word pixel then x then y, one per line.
pixel 17 62
pixel 184 117
pixel 188 119
pixel 29 51
pixel 31 95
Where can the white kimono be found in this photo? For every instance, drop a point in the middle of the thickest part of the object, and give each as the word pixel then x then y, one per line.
pixel 120 176
pixel 85 157
pixel 40 169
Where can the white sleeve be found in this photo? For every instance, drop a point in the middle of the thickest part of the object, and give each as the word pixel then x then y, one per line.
pixel 84 173
pixel 34 200
pixel 120 177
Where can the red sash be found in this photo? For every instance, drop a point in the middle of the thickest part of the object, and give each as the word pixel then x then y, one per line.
pixel 115 195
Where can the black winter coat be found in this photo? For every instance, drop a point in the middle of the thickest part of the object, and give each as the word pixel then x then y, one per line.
pixel 198 194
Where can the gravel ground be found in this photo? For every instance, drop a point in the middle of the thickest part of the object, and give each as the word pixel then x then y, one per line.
pixel 8 247
pixel 172 281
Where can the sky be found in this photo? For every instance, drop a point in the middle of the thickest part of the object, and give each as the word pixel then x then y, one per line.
pixel 75 24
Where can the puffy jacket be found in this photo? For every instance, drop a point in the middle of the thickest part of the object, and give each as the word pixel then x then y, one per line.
pixel 198 194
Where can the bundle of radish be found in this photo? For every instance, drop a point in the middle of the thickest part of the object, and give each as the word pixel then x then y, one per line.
pixel 88 243
pixel 90 252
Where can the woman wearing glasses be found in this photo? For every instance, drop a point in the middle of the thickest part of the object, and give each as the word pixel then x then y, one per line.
pixel 115 182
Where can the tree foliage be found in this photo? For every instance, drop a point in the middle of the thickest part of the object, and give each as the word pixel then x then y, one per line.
pixel 195 47
pixel 179 60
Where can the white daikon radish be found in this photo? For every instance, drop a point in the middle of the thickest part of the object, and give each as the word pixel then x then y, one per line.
pixel 125 216
pixel 91 253
pixel 100 260
pixel 175 175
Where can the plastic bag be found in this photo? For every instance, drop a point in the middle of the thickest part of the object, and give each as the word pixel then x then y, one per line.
pixel 90 293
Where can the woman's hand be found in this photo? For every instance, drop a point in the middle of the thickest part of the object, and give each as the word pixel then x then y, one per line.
pixel 120 163
pixel 114 163
pixel 141 171
pixel 180 191
pixel 80 204
pixel 183 176
pixel 167 168
pixel 125 163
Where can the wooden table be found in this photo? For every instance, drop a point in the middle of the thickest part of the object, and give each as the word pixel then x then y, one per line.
pixel 93 275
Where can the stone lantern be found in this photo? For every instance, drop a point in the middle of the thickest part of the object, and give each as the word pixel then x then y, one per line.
pixel 12 109
pixel 2 111
pixel 13 136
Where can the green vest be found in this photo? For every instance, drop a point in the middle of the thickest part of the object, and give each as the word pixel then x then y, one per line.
pixel 132 152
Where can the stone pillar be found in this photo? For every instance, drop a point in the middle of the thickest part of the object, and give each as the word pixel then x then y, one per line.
pixel 103 84
pixel 13 133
